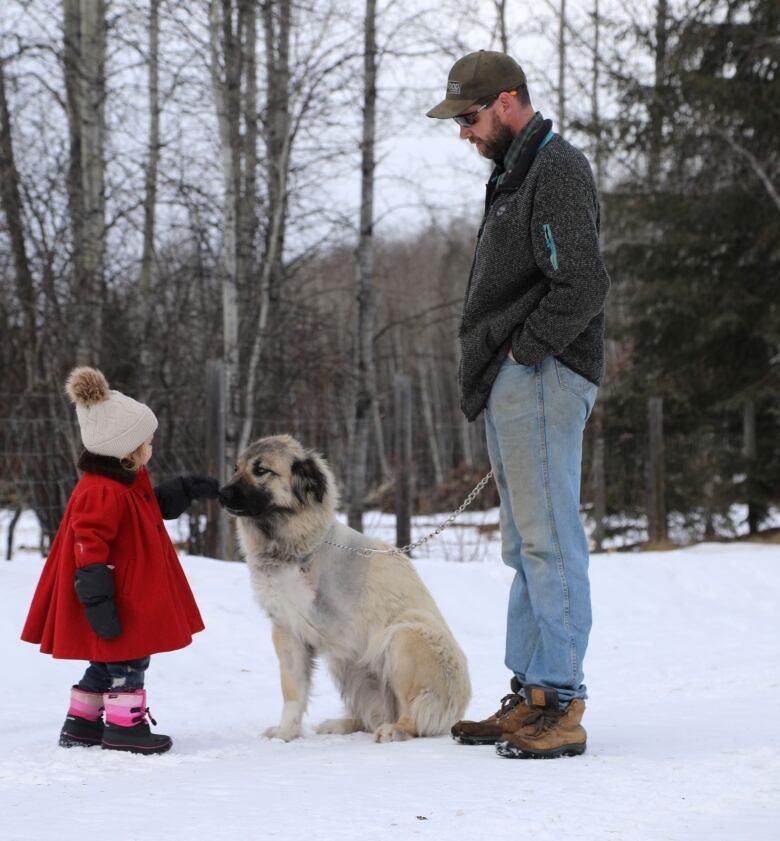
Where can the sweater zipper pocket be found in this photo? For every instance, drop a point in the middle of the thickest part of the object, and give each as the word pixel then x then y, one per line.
pixel 550 243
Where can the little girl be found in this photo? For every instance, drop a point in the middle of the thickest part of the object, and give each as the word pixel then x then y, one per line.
pixel 112 590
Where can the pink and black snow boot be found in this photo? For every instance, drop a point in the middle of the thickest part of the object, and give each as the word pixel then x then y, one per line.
pixel 126 725
pixel 84 722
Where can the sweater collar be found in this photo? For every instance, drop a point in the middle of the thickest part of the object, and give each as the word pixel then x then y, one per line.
pixel 520 142
pixel 522 152
pixel 107 466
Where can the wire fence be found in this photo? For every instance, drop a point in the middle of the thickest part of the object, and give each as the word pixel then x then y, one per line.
pixel 706 485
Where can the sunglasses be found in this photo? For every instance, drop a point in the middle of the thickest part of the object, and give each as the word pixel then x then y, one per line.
pixel 471 118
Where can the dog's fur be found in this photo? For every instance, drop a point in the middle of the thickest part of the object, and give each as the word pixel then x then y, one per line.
pixel 399 669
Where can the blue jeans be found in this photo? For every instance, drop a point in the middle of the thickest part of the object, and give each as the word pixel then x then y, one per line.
pixel 125 676
pixel 535 420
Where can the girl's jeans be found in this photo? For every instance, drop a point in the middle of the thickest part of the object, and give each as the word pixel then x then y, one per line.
pixel 535 419
pixel 125 676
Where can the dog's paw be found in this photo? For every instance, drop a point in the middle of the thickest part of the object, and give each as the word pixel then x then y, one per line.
pixel 390 733
pixel 286 734
pixel 338 726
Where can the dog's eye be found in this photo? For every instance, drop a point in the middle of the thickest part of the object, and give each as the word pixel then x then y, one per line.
pixel 258 469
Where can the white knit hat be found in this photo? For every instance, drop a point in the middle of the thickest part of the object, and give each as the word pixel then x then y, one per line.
pixel 112 424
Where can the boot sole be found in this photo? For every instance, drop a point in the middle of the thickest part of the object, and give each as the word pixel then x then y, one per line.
pixel 510 751
pixel 130 748
pixel 76 742
pixel 476 740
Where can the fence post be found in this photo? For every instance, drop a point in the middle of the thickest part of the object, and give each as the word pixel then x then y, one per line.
pixel 598 478
pixel 216 518
pixel 17 513
pixel 656 473
pixel 750 453
pixel 403 460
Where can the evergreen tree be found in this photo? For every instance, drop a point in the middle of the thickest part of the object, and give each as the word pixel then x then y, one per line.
pixel 698 254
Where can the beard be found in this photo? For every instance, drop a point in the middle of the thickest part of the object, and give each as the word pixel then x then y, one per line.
pixel 497 143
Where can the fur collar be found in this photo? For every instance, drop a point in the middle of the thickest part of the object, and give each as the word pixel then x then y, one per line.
pixel 107 466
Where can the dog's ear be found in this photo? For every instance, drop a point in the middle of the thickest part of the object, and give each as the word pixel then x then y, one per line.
pixel 308 479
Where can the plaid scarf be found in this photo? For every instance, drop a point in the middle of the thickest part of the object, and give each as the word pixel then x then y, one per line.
pixel 516 149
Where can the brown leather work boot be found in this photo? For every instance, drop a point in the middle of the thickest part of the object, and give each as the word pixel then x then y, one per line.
pixel 548 732
pixel 497 726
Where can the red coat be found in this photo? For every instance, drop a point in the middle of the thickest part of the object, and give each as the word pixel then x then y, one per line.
pixel 109 522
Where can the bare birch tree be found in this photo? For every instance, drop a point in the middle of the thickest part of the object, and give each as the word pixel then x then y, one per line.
pixel 85 83
pixel 225 68
pixel 657 527
pixel 562 67
pixel 144 302
pixel 11 200
pixel 277 29
pixel 363 377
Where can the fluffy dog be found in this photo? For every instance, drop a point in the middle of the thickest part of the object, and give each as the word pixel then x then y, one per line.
pixel 399 669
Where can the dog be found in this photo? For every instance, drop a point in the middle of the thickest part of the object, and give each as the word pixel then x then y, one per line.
pixel 399 670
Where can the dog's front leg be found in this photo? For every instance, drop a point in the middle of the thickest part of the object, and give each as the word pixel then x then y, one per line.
pixel 296 661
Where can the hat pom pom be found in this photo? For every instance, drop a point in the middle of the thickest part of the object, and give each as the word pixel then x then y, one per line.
pixel 86 386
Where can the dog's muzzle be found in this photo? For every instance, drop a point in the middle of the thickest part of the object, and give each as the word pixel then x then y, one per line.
pixel 229 498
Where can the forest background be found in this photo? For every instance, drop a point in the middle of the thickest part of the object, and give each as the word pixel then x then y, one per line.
pixel 243 198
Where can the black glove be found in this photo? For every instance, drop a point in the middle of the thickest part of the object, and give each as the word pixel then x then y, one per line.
pixel 200 487
pixel 95 590
pixel 175 495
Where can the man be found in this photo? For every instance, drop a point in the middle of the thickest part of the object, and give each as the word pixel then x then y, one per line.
pixel 532 350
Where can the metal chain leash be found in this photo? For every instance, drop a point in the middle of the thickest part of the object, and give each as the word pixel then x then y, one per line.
pixel 404 550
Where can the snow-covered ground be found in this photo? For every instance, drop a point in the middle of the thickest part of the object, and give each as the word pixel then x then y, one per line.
pixel 683 718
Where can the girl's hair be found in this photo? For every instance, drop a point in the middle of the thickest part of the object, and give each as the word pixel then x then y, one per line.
pixel 133 461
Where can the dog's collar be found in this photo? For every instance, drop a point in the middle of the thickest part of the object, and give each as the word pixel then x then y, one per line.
pixel 305 561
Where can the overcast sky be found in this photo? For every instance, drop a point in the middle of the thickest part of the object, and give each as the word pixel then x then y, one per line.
pixel 425 172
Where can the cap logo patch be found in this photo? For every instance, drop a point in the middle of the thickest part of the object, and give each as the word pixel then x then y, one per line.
pixel 453 87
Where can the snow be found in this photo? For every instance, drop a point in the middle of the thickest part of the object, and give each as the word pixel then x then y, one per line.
pixel 684 681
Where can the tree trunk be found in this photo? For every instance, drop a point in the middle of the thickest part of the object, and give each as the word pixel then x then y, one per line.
pixel 277 27
pixel 467 450
pixel 226 88
pixel 445 434
pixel 17 513
pixel 562 69
pixel 656 473
pixel 503 38
pixel 657 101
pixel 597 476
pixel 144 303
pixel 248 215
pixel 750 453
pixel 277 22
pixel 11 202
pixel 72 72
pixel 656 513
pixel 381 447
pixel 595 109
pixel 426 400
pixel 363 358
pixel 91 87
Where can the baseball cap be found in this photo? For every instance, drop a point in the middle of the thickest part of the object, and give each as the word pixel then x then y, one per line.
pixel 477 76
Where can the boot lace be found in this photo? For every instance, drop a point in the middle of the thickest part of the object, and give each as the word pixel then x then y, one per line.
pixel 508 703
pixel 143 713
pixel 541 720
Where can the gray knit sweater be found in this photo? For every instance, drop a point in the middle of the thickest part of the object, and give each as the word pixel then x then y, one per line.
pixel 538 284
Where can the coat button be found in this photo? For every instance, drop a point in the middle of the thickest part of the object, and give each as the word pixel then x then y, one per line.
pixel 147 497
pixel 159 528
